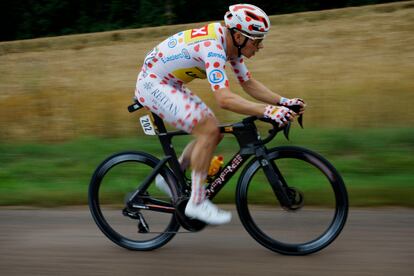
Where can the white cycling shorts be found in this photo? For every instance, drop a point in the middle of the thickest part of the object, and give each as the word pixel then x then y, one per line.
pixel 170 100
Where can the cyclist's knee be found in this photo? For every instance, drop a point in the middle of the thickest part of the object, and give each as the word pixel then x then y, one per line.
pixel 208 127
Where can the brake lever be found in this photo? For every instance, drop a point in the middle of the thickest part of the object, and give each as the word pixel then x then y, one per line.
pixel 296 109
pixel 300 120
pixel 286 130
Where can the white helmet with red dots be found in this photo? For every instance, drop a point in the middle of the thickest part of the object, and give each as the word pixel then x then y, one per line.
pixel 248 19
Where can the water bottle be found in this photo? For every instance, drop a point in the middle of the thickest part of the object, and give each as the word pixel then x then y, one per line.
pixel 215 165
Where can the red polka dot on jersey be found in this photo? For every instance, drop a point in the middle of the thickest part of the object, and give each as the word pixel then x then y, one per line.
pixel 173 91
pixel 149 65
pixel 153 76
pixel 216 64
pixel 241 60
pixel 141 100
pixel 238 26
pixel 207 65
pixel 207 43
pixel 187 107
pixel 195 121
pixel 221 30
pixel 218 46
pixel 216 87
pixel 227 83
pixel 197 48
pixel 222 40
pixel 170 75
pixel 232 63
pixel 160 54
pixel 236 71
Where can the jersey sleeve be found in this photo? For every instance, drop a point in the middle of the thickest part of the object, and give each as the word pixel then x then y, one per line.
pixel 240 69
pixel 214 58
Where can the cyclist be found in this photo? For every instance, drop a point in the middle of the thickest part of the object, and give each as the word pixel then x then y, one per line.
pixel 203 53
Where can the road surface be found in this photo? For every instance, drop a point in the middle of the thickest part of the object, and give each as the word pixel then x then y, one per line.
pixel 66 241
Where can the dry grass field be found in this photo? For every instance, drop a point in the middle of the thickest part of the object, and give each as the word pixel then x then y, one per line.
pixel 354 67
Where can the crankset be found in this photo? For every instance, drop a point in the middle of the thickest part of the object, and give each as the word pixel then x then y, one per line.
pixel 192 225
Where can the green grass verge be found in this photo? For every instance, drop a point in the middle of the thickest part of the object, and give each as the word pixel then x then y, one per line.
pixel 376 165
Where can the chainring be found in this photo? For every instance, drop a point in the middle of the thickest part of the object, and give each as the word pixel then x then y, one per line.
pixel 192 225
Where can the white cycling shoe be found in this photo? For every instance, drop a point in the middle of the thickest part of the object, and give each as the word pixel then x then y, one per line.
pixel 162 185
pixel 207 212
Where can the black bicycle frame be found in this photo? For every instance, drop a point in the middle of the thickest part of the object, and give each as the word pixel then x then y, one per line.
pixel 250 144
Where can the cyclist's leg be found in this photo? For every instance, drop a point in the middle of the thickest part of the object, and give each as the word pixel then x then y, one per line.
pixel 207 137
pixel 185 158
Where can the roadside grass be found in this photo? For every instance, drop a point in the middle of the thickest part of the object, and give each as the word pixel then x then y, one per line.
pixel 376 165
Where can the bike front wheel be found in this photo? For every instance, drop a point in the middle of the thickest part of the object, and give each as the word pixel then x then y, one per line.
pixel 321 199
pixel 144 223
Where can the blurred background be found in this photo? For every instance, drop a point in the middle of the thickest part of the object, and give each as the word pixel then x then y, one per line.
pixel 68 71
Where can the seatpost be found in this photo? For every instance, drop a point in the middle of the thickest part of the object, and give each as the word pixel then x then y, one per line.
pixel 167 146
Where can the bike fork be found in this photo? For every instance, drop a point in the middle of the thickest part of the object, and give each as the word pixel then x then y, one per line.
pixel 277 182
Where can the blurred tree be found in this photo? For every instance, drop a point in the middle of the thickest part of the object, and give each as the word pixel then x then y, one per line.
pixel 20 19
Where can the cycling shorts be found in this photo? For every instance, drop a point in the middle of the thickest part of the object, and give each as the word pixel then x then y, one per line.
pixel 167 97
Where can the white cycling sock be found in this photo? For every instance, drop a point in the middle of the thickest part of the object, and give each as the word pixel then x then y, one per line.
pixel 198 194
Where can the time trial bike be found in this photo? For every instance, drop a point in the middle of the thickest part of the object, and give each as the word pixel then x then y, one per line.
pixel 289 199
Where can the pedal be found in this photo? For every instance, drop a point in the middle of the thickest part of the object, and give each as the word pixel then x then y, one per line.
pixel 142 224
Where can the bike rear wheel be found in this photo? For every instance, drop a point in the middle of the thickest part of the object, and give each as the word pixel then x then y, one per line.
pixel 146 223
pixel 322 202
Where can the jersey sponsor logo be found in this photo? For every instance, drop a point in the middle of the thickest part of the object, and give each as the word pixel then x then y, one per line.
pixel 196 35
pixel 148 85
pixel 199 32
pixel 216 55
pixel 172 42
pixel 161 100
pixel 183 55
pixel 188 74
pixel 216 76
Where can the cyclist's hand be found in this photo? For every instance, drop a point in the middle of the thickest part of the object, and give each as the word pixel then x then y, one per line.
pixel 298 105
pixel 280 114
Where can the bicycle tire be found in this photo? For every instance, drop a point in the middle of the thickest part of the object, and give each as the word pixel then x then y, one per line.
pixel 317 163
pixel 95 201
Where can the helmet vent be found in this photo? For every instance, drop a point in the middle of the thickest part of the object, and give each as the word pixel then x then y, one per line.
pixel 257 18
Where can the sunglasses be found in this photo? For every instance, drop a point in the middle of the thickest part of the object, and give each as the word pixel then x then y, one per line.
pixel 255 40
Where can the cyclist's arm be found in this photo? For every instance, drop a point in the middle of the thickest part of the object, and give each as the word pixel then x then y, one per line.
pixel 260 92
pixel 233 102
